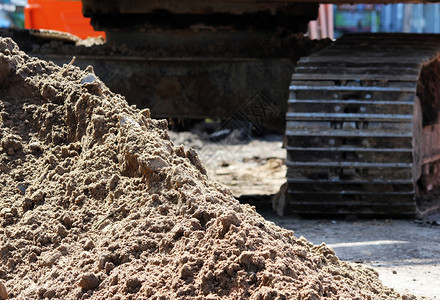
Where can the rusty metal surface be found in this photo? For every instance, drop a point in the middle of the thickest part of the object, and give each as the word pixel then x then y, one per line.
pixel 355 142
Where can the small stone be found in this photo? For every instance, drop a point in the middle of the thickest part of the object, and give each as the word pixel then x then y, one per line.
pixel 41 291
pixel 103 259
pixel 14 211
pixel 146 113
pixel 61 230
pixel 113 246
pixel 4 250
pixel 3 292
pixel 113 182
pixel 54 274
pixel 133 283
pixel 48 259
pixel 114 279
pixel 37 197
pixel 27 204
pixel 109 267
pixel 63 249
pixel 12 143
pixel 9 217
pixel 89 282
pixel 394 272
pixel 32 257
pixel 35 147
pixel 186 272
pixel 49 294
pixel 66 220
pixel 89 245
pixel 80 199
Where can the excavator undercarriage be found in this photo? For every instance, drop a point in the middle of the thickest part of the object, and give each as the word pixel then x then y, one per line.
pixel 362 127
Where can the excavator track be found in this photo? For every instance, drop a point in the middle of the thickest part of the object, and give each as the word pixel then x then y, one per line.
pixel 351 134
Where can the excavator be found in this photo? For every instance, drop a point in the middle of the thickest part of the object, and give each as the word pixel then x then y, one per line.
pixel 360 114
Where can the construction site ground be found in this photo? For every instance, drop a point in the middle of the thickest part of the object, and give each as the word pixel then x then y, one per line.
pixel 405 252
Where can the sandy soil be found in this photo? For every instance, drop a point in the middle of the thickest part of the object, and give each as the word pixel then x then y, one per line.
pixel 406 253
pixel 98 203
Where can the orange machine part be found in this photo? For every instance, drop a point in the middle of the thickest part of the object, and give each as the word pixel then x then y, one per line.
pixel 59 15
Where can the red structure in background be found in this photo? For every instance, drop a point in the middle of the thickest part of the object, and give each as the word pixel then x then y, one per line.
pixel 59 15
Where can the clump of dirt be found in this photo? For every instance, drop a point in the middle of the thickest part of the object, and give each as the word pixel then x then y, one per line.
pixel 96 202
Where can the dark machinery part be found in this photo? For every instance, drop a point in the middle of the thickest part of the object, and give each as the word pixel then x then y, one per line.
pixel 169 14
pixel 209 77
pixel 362 127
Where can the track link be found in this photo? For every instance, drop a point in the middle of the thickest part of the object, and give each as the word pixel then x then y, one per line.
pixel 350 126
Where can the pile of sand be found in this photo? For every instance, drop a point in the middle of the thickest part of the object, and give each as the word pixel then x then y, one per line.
pixel 96 202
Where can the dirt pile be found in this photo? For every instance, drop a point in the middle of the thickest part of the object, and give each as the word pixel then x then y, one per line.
pixel 96 202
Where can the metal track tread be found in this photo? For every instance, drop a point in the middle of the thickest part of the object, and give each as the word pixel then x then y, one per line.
pixel 349 130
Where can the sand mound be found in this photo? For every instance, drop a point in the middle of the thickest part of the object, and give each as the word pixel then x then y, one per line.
pixel 96 202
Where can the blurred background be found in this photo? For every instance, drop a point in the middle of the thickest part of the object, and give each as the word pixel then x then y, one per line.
pixel 333 21
pixel 12 13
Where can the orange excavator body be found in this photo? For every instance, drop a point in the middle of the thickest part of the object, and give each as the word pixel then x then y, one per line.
pixel 59 15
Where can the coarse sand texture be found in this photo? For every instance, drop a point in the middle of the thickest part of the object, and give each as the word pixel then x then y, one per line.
pixel 97 203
